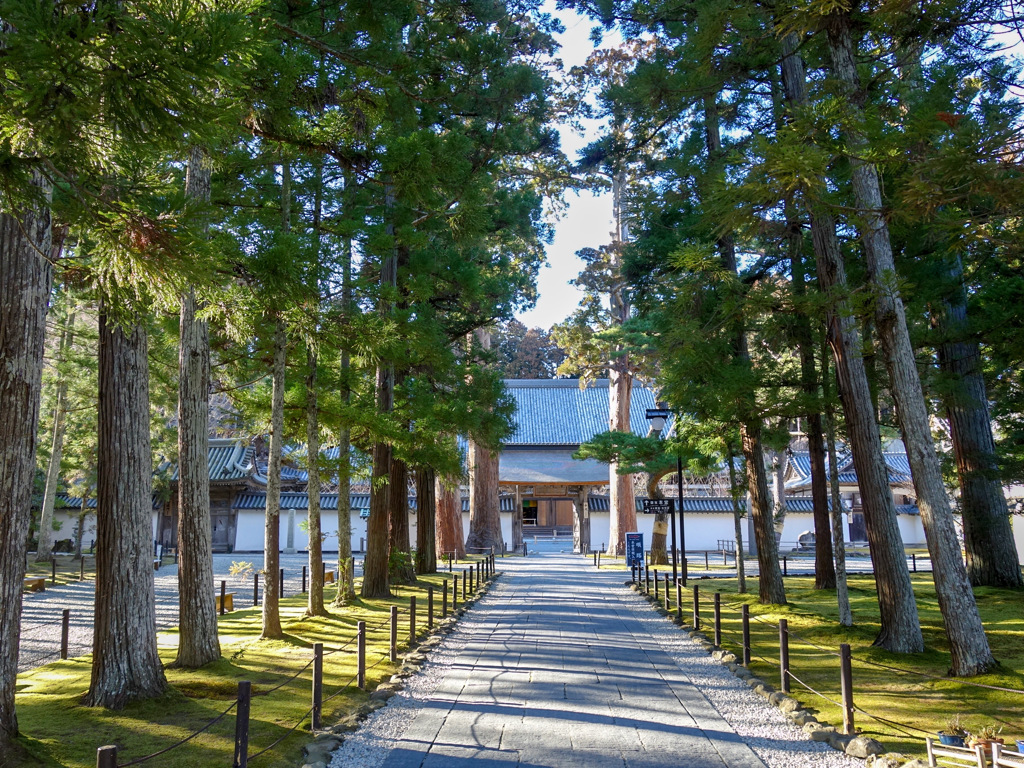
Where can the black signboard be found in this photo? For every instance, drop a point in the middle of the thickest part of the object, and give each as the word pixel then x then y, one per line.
pixel 657 506
pixel 658 413
pixel 634 549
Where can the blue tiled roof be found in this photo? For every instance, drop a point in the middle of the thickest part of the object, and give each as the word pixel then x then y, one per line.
pixel 558 412
pixel 64 501
pixel 228 460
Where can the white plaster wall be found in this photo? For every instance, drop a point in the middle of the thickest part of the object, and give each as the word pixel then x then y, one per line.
pixel 68 522
pixel 249 531
pixel 911 530
pixel 1018 536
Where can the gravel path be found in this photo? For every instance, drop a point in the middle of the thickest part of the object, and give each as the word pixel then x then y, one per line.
pixel 41 611
pixel 557 667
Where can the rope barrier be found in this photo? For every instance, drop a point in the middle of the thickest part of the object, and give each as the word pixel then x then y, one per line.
pixel 185 740
pixel 284 683
pixel 816 693
pixel 287 733
pixel 892 723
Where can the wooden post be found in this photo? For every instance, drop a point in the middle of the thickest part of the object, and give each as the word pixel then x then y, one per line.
pixel 679 600
pixel 718 619
pixel 106 757
pixel 393 655
pixel 451 562
pixel 667 598
pixel 255 590
pixel 280 592
pixel 913 559
pixel 647 579
pixel 318 683
pixel 846 685
pixel 65 622
pixel 444 599
pixel 53 572
pixel 745 615
pixel 223 593
pixel 81 571
pixel 784 654
pixel 412 620
pixel 242 724
pixel 785 566
pixel 303 579
pixel 696 607
pixel 361 655
pixel 599 559
pixel 707 566
pixel 725 558
pixel 655 585
pixel 430 607
pixel 455 591
pixel 632 569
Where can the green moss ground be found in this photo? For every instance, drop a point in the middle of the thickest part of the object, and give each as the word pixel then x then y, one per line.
pixel 58 731
pixel 902 698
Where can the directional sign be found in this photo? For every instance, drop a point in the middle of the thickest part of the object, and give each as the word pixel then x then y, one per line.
pixel 658 413
pixel 634 549
pixel 657 506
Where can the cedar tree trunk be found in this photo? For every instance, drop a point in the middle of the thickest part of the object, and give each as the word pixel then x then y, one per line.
pixel 737 519
pixel 272 529
pixel 900 628
pixel 426 544
pixel 125 663
pixel 448 519
pixel 44 550
pixel 315 598
pixel 24 294
pixel 770 586
pixel 484 512
pixel 992 559
pixel 580 523
pixel 198 641
pixel 403 571
pixel 838 539
pixel 968 644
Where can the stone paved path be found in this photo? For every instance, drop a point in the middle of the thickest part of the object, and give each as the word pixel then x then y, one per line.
pixel 558 674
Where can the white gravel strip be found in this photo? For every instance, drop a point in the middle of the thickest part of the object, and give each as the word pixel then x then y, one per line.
pixel 778 742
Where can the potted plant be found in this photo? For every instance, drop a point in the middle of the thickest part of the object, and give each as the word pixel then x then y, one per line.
pixel 954 734
pixel 986 736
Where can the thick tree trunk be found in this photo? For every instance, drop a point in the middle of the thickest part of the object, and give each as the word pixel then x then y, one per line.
pixel 375 563
pixel 580 523
pixel 403 571
pixel 900 629
pixel 621 498
pixel 272 528
pixel 737 518
pixel 770 586
pixel 346 584
pixel 824 570
pixel 484 506
pixel 25 276
pixel 44 550
pixel 448 519
pixel 992 559
pixel 125 664
pixel 426 536
pixel 968 643
pixel 198 641
pixel 838 539
pixel 315 598
pixel 484 510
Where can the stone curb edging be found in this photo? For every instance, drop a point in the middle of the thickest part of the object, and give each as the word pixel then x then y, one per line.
pixel 867 749
pixel 317 753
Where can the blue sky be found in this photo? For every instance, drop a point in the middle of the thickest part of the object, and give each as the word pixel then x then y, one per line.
pixel 587 221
